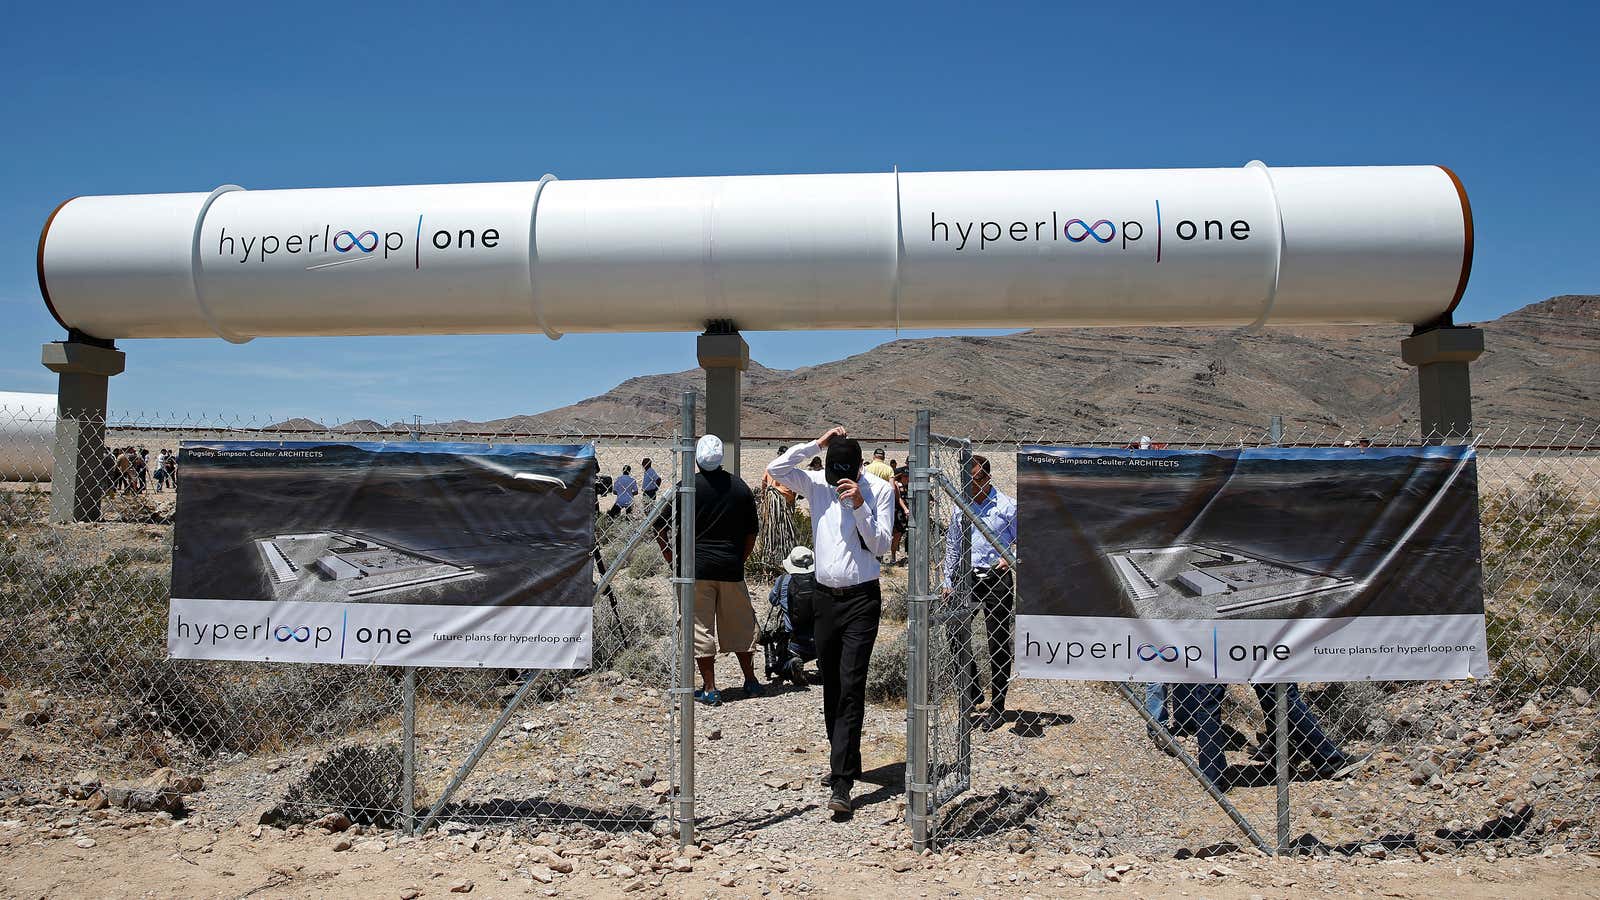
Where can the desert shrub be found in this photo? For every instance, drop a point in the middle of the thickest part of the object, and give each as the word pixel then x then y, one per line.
pixel 246 708
pixel 1541 563
pixel 886 674
pixel 1355 710
pixel 46 541
pixel 896 603
pixel 124 556
pixel 650 662
pixel 628 633
pixel 363 782
pixel 483 688
pixel 26 507
pixel 1529 656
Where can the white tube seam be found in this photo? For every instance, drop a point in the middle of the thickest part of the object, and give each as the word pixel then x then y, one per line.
pixel 899 248
pixel 533 260
pixel 1277 262
pixel 210 318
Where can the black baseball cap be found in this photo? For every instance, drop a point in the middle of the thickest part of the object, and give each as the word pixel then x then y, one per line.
pixel 843 461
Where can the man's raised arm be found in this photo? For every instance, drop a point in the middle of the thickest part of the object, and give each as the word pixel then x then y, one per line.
pixel 786 470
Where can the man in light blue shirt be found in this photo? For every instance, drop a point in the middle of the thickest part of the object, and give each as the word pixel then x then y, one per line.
pixel 625 487
pixel 990 585
pixel 652 480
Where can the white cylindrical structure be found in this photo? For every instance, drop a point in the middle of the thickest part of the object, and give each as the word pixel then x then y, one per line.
pixel 1244 246
pixel 27 436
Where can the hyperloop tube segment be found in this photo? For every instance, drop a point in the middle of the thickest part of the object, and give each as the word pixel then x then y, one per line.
pixel 1219 247
pixel 27 436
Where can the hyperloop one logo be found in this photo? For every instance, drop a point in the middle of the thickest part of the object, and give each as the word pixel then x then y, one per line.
pixel 1086 231
pixel 300 634
pixel 1169 653
pixel 345 241
pixel 353 246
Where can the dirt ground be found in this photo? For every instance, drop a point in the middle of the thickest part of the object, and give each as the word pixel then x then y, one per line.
pixel 123 855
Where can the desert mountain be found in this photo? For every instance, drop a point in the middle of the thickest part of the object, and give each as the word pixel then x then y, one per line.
pixel 1541 365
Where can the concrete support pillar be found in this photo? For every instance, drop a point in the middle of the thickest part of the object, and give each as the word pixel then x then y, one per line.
pixel 79 479
pixel 725 356
pixel 1441 356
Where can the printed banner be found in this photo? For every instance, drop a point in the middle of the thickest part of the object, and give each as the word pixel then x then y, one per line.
pixel 1253 565
pixel 415 554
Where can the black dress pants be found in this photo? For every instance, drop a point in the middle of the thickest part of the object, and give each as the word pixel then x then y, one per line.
pixel 996 594
pixel 846 628
pixel 994 599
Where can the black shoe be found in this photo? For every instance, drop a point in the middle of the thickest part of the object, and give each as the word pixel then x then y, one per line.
pixel 839 801
pixel 992 720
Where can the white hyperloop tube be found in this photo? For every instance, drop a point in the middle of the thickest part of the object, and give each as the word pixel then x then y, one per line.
pixel 27 436
pixel 1244 246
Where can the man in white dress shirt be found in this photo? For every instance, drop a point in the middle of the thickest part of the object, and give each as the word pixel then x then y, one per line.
pixel 852 524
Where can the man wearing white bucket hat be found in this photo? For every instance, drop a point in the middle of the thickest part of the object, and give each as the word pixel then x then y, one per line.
pixel 725 527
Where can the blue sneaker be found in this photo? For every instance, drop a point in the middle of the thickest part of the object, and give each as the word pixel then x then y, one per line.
pixel 753 688
pixel 709 698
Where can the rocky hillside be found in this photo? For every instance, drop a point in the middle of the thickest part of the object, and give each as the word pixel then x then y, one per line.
pixel 1542 364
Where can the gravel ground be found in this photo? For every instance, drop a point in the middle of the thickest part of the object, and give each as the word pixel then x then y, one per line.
pixel 1073 773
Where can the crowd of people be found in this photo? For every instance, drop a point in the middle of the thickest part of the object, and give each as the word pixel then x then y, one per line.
pixel 131 470
pixel 859 514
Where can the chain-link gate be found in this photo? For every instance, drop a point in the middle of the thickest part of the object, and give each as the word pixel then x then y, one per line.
pixel 1351 767
pixel 90 697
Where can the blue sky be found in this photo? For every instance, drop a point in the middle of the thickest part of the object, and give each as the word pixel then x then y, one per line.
pixel 124 98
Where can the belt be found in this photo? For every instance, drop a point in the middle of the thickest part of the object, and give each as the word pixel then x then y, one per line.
pixel 989 572
pixel 844 591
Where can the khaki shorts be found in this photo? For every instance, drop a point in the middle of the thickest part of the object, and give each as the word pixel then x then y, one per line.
pixel 724 620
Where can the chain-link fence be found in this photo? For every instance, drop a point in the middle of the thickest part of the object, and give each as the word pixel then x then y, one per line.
pixel 90 697
pixel 1366 766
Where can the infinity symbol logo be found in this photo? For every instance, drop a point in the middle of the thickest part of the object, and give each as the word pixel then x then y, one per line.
pixel 1150 652
pixel 1090 231
pixel 352 241
pixel 284 632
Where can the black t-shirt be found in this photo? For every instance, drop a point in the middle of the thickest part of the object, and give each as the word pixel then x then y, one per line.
pixel 724 516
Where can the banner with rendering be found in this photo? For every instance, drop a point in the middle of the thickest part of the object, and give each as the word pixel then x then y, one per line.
pixel 1249 565
pixel 406 553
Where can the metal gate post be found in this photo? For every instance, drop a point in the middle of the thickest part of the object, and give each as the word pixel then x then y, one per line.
pixel 1281 727
pixel 684 581
pixel 964 587
pixel 918 786
pixel 408 749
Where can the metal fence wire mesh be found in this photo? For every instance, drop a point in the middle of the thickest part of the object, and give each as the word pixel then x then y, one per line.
pixel 1373 766
pixel 89 695
pixel 1075 765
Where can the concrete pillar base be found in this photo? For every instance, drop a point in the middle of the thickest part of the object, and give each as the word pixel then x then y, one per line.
pixel 725 356
pixel 84 372
pixel 1442 356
